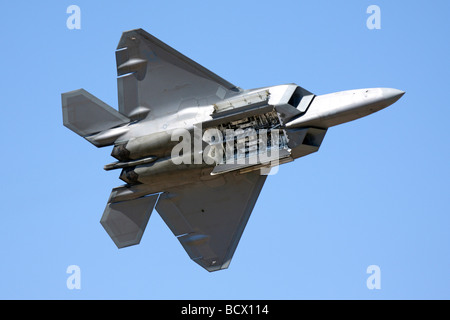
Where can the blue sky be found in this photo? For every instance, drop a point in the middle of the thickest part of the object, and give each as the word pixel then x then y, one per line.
pixel 376 193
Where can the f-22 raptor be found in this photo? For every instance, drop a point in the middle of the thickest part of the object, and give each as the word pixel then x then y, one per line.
pixel 198 148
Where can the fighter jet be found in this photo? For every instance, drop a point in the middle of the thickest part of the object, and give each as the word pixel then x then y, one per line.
pixel 198 148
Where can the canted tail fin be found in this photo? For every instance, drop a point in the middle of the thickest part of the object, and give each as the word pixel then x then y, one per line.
pixel 91 118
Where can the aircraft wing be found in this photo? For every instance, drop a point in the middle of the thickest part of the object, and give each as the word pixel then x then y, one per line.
pixel 155 79
pixel 209 217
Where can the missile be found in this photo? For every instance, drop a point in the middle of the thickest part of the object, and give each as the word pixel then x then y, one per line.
pixel 121 165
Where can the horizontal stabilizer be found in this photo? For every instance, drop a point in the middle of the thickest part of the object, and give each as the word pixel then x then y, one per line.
pixel 86 115
pixel 125 221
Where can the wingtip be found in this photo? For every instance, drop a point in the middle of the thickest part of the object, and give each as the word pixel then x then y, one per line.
pixel 125 34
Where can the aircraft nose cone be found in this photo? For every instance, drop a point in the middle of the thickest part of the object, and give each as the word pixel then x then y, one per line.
pixel 391 95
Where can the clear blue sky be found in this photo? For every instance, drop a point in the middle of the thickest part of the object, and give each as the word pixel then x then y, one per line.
pixel 376 193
